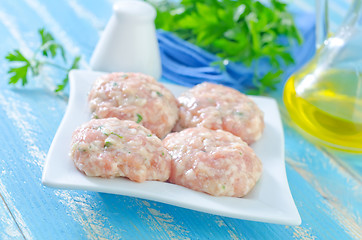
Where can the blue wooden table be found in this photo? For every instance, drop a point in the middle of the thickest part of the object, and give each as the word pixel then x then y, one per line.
pixel 325 184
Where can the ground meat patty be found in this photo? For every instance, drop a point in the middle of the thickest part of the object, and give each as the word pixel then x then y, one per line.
pixel 212 161
pixel 137 97
pixel 111 148
pixel 219 107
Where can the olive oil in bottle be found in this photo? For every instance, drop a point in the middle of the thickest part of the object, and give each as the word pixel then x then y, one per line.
pixel 328 106
pixel 324 98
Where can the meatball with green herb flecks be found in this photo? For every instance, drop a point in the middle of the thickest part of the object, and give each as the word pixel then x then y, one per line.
pixel 119 148
pixel 219 107
pixel 212 161
pixel 137 97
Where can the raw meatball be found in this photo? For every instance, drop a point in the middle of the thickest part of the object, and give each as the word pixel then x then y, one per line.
pixel 111 148
pixel 137 97
pixel 219 107
pixel 212 161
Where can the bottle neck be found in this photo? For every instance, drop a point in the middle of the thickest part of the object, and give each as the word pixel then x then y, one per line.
pixel 322 22
pixel 354 16
pixel 353 19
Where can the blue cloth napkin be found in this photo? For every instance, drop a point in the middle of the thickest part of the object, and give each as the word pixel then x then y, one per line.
pixel 186 64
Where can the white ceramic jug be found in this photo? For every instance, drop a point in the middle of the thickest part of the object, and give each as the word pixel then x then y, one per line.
pixel 129 42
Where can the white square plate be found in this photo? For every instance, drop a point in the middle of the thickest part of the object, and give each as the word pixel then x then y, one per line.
pixel 270 200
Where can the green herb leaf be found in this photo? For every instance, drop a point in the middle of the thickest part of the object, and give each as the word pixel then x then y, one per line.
pixel 113 133
pixel 47 49
pixel 139 118
pixel 107 144
pixel 60 87
pixel 238 30
pixel 16 57
pixel 271 78
pixel 268 81
pixel 45 38
pixel 49 46
pixel 62 52
pixel 75 65
pixel 18 73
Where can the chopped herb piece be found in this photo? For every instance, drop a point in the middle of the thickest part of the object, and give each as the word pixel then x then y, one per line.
pixel 159 94
pixel 107 144
pixel 241 153
pixel 82 149
pixel 149 135
pixel 223 187
pixel 139 118
pixel 239 113
pixel 163 154
pixel 95 117
pixel 113 133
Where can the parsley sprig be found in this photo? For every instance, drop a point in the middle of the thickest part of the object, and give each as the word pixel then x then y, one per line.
pixel 44 55
pixel 235 30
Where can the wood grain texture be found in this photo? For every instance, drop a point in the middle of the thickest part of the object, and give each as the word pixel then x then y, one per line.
pixel 326 191
pixel 9 227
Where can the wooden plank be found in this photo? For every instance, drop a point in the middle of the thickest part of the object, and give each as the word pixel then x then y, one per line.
pixel 350 162
pixel 334 174
pixel 322 168
pixel 93 211
pixel 8 225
